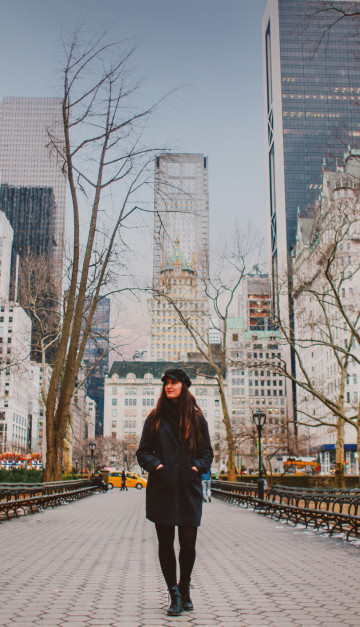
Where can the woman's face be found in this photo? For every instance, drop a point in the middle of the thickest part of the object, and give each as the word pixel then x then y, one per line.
pixel 173 388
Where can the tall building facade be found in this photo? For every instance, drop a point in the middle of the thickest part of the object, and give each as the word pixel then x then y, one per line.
pixel 253 385
pixel 168 337
pixel 30 173
pixel 326 348
pixel 181 210
pixel 31 212
pixel 181 256
pixel 18 414
pixel 254 349
pixel 312 97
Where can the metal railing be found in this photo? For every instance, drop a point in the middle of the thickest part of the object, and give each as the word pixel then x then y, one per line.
pixel 332 510
pixel 26 498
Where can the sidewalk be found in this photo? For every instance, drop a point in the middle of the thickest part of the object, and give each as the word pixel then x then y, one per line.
pixel 94 563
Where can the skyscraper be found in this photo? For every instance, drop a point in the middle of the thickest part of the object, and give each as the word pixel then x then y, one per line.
pixel 181 254
pixel 312 87
pixel 30 172
pixel 168 337
pixel 31 212
pixel 181 209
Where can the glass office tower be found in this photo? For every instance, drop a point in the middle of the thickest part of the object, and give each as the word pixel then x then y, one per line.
pixel 312 100
pixel 26 160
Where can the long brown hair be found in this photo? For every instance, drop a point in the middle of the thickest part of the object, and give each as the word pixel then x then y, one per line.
pixel 189 411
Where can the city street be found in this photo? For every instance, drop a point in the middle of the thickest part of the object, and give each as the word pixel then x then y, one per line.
pixel 94 563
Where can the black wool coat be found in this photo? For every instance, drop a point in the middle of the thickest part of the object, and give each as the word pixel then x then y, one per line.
pixel 174 492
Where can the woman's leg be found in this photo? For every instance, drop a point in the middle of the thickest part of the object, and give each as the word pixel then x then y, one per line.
pixel 187 539
pixel 166 536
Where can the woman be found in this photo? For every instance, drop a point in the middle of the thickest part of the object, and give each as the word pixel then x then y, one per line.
pixel 175 449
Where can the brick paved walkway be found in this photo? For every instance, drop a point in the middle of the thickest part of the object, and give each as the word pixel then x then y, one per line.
pixel 94 563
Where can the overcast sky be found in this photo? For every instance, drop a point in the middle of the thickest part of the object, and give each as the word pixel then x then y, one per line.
pixel 210 49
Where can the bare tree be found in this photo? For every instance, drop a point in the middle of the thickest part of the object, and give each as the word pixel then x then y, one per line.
pixel 103 149
pixel 40 295
pixel 109 452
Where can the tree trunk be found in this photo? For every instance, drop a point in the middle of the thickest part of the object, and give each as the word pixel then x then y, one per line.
pixel 55 434
pixel 54 454
pixel 68 466
pixel 339 460
pixel 358 442
pixel 229 432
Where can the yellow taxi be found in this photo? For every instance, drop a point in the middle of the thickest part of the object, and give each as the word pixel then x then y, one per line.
pixel 132 480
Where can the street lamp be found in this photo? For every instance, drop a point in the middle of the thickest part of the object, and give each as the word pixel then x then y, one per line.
pixel 259 419
pixel 92 447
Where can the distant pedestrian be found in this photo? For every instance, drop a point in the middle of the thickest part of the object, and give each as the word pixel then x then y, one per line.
pixel 206 486
pixel 100 482
pixel 123 481
pixel 175 449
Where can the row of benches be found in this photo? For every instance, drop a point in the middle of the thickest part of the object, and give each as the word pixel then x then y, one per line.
pixel 336 511
pixel 27 498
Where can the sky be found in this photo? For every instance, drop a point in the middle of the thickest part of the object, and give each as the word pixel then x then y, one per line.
pixel 208 51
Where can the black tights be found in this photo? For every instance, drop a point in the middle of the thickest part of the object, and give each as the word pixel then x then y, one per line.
pixel 187 540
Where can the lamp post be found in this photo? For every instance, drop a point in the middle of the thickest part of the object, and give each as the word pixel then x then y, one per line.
pixel 92 447
pixel 259 419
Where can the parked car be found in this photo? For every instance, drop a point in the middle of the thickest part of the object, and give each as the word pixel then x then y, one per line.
pixel 132 480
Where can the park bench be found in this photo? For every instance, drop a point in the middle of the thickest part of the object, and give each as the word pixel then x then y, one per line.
pixel 336 511
pixel 27 498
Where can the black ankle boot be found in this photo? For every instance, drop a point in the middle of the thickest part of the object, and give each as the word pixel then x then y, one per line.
pixel 185 596
pixel 176 606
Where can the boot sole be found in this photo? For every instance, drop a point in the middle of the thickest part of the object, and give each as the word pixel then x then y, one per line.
pixel 174 613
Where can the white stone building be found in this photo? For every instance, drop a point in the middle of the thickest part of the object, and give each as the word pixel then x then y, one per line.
pixel 6 239
pixel 83 410
pixel 132 391
pixel 330 235
pixel 16 385
pixel 253 385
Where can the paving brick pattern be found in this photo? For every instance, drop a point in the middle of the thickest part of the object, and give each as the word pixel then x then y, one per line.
pixel 94 563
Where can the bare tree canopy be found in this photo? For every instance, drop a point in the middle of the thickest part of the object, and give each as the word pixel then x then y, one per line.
pixel 102 148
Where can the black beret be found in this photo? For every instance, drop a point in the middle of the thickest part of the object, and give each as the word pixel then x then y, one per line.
pixel 178 374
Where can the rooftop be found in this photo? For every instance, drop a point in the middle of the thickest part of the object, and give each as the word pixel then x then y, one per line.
pixel 157 368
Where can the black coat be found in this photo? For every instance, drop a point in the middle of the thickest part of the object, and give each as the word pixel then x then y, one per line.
pixel 173 493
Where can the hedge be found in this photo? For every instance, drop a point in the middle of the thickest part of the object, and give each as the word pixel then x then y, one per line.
pixel 21 475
